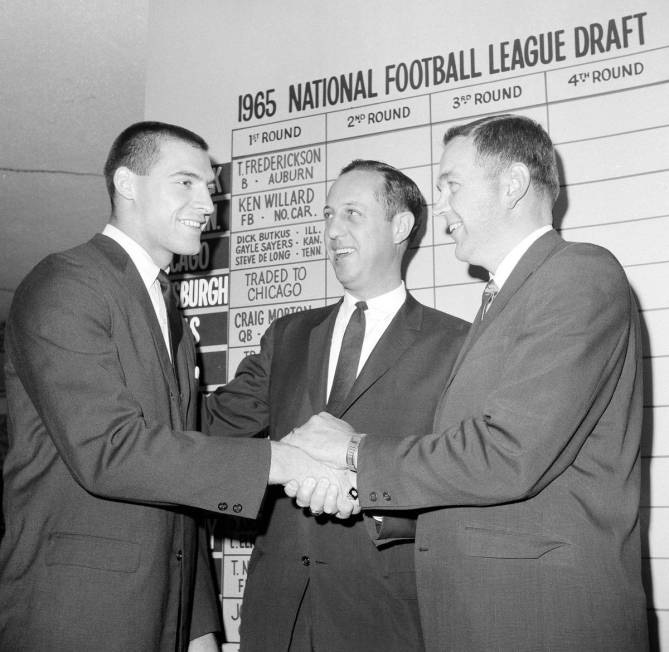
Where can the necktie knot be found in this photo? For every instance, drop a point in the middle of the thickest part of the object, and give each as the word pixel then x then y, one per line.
pixel 489 293
pixel 361 305
pixel 164 281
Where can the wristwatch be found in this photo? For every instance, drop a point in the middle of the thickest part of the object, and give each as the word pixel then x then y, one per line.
pixel 352 453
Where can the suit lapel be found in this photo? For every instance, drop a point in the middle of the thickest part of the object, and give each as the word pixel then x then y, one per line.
pixel 466 345
pixel 184 367
pixel 134 292
pixel 397 338
pixel 318 356
pixel 531 260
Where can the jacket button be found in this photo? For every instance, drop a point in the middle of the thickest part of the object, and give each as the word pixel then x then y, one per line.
pixel 306 561
pixel 222 507
pixel 179 555
pixel 372 496
pixel 237 508
pixel 386 496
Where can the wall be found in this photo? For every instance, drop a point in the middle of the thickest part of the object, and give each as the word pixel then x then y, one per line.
pixel 253 78
pixel 3 417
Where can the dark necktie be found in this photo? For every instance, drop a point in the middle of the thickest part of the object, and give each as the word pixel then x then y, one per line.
pixel 489 293
pixel 173 315
pixel 349 358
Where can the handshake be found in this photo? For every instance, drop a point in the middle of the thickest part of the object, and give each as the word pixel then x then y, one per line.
pixel 311 464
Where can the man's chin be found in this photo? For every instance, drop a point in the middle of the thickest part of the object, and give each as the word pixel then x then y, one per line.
pixel 461 253
pixel 189 249
pixel 344 280
pixel 342 270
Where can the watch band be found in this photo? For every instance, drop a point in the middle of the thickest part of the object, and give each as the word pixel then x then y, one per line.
pixel 351 453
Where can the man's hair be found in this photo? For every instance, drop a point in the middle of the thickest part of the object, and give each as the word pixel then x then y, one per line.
pixel 502 139
pixel 398 194
pixel 138 148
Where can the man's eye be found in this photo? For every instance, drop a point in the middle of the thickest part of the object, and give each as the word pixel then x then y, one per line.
pixel 186 182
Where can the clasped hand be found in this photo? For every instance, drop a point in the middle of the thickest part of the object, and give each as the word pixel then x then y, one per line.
pixel 324 438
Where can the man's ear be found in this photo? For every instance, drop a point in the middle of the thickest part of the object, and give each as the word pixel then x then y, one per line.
pixel 402 224
pixel 124 182
pixel 516 183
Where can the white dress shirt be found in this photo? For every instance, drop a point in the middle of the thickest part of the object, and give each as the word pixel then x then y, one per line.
pixel 380 312
pixel 511 259
pixel 148 270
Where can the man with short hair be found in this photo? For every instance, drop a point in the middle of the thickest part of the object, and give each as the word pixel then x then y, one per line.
pixel 315 583
pixel 104 471
pixel 528 487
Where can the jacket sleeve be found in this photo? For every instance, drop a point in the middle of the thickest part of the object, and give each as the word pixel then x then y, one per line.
pixel 242 407
pixel 390 529
pixel 65 342
pixel 560 362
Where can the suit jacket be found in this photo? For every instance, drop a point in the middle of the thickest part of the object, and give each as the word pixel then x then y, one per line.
pixel 101 550
pixel 531 477
pixel 360 597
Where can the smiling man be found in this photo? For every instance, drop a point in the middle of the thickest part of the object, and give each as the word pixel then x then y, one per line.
pixel 527 485
pixel 102 549
pixel 316 583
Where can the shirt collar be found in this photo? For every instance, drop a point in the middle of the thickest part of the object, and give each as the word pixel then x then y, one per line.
pixel 147 269
pixel 387 303
pixel 511 259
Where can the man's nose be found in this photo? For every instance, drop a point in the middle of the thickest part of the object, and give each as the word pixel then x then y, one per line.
pixel 442 205
pixel 333 227
pixel 204 202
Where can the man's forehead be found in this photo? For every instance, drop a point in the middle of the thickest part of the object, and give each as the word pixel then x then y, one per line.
pixel 180 157
pixel 457 152
pixel 357 182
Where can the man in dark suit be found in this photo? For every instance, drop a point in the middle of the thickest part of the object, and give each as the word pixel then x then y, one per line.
pixel 528 538
pixel 315 583
pixel 104 470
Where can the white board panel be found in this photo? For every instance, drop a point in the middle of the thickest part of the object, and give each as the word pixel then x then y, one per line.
pixel 655 431
pixel 655 485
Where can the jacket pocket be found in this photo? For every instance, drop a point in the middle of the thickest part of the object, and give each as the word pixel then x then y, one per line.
pixel 71 549
pixel 506 544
